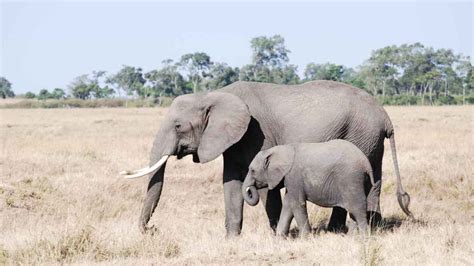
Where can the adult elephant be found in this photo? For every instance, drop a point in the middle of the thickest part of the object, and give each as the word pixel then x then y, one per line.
pixel 245 117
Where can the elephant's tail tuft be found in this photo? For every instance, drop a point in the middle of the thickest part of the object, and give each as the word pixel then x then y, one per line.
pixel 402 196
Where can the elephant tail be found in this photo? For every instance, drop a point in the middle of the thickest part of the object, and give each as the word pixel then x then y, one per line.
pixel 402 196
pixel 370 173
pixel 373 196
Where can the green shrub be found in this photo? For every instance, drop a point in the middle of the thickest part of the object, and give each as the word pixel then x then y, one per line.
pixel 417 100
pixel 399 100
pixel 78 103
pixel 469 99
pixel 30 95
pixel 166 101
pixel 445 100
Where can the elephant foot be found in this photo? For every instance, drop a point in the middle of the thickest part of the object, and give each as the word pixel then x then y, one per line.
pixel 145 230
pixel 233 230
pixel 232 234
pixel 274 224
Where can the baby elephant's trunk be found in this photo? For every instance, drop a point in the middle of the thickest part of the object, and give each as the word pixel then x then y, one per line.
pixel 251 195
pixel 249 191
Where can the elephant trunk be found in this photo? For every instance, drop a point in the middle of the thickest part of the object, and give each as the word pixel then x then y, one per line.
pixel 164 144
pixel 249 191
pixel 152 197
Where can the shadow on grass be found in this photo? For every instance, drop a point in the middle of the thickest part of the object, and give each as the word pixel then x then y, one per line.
pixel 315 230
pixel 389 224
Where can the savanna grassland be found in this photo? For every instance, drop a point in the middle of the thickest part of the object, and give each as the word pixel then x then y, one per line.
pixel 62 200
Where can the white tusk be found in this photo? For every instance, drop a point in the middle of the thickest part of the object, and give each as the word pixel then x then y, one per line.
pixel 136 171
pixel 247 189
pixel 146 170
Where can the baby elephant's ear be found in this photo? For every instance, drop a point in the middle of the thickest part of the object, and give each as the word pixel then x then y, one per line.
pixel 278 163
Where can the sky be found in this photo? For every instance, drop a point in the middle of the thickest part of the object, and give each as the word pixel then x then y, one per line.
pixel 45 45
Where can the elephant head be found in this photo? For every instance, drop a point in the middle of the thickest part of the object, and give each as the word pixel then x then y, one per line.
pixel 267 169
pixel 202 125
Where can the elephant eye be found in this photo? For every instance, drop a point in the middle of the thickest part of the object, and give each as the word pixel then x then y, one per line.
pixel 177 126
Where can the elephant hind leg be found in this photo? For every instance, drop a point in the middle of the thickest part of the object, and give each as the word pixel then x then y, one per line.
pixel 357 209
pixel 374 212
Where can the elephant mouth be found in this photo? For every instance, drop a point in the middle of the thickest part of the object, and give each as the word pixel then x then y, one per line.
pixel 196 158
pixel 260 185
pixel 183 151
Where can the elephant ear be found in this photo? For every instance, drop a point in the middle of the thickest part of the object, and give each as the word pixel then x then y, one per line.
pixel 226 121
pixel 278 163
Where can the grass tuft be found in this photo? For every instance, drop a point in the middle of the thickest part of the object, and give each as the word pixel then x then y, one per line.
pixel 371 254
pixel 66 249
pixel 171 250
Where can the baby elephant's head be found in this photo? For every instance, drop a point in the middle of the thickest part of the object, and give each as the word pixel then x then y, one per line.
pixel 267 169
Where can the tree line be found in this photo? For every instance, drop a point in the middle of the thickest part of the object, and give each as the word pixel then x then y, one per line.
pixel 407 73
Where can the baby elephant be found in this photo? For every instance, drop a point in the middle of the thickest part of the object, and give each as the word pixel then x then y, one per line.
pixel 329 174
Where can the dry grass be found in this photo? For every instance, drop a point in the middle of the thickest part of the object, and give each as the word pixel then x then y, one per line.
pixel 61 200
pixel 6 101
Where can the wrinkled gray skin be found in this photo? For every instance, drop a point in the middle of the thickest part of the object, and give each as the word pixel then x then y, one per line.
pixel 244 118
pixel 330 174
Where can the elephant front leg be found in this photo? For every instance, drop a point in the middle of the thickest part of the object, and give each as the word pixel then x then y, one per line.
pixel 301 216
pixel 285 218
pixel 233 206
pixel 271 200
pixel 233 199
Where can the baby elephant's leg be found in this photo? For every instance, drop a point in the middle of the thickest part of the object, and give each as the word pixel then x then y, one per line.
pixel 358 211
pixel 286 217
pixel 361 220
pixel 301 217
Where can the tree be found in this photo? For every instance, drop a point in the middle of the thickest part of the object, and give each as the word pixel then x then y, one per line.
pixel 412 69
pixel 444 59
pixel 30 95
pixel 44 95
pixel 99 91
pixel 197 65
pixel 269 51
pixel 285 75
pixel 86 87
pixel 80 87
pixel 383 64
pixel 269 62
pixel 58 93
pixel 130 80
pixel 251 72
pixel 465 70
pixel 6 88
pixel 326 71
pixel 166 81
pixel 221 75
pixel 102 92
